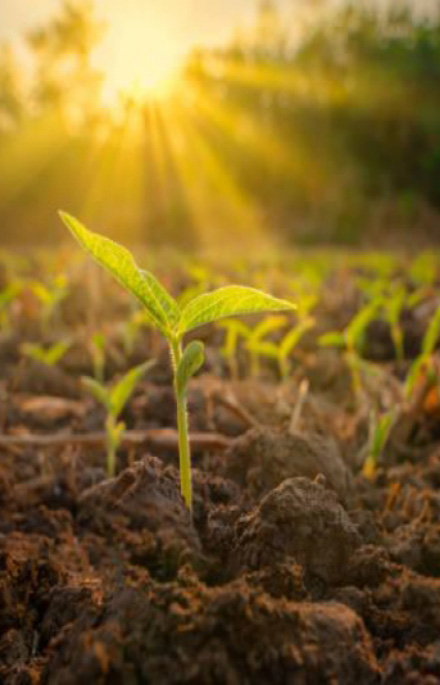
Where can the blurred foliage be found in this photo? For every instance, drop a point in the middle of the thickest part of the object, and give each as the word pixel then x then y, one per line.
pixel 327 133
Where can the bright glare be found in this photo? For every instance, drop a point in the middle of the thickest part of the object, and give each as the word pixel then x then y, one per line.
pixel 138 62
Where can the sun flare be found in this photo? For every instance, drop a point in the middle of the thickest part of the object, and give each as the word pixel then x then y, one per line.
pixel 138 62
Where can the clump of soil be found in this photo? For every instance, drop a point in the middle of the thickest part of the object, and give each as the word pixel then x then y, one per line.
pixel 262 459
pixel 300 520
pixel 191 634
pixel 142 512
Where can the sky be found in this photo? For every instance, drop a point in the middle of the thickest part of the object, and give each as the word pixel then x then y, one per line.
pixel 189 20
pixel 146 40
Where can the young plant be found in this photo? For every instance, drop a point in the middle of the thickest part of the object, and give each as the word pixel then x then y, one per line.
pixel 379 432
pixel 281 352
pixel 97 350
pixel 423 365
pixel 255 339
pixel 50 297
pixel 234 330
pixel 114 400
pixel 351 340
pixel 393 306
pixel 49 356
pixel 174 321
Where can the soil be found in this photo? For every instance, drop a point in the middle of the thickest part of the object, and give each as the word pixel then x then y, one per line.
pixel 293 568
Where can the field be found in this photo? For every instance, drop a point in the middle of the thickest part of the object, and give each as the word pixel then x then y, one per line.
pixel 312 554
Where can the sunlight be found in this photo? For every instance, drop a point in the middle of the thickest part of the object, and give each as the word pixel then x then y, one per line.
pixel 138 62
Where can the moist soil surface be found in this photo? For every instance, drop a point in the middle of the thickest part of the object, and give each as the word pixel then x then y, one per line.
pixel 292 568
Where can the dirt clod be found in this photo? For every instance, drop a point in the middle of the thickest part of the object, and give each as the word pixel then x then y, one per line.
pixel 303 520
pixel 261 460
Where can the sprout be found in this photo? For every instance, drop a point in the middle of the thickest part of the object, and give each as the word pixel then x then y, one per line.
pixel 114 400
pixel 380 429
pixel 424 361
pixel 50 297
pixel 174 321
pixel 49 356
pixel 97 350
pixel 352 340
pixel 281 352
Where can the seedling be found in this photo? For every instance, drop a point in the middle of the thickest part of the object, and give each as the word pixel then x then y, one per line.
pixel 97 349
pixel 50 296
pixel 393 307
pixel 281 352
pixel 379 432
pixel 174 321
pixel 114 399
pixel 423 363
pixel 49 356
pixel 351 340
pixel 234 329
pixel 253 338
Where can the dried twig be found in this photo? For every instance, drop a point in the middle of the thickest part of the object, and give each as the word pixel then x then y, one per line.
pixel 160 438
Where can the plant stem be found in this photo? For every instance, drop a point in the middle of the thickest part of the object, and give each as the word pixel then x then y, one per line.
pixel 111 448
pixel 182 427
pixel 111 461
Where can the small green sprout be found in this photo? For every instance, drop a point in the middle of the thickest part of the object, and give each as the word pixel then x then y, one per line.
pixel 379 432
pixel 255 339
pixel 393 306
pixel 49 356
pixel 234 330
pixel 174 321
pixel 114 399
pixel 50 296
pixel 423 361
pixel 281 352
pixel 97 350
pixel 351 340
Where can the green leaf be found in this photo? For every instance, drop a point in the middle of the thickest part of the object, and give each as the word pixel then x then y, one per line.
pixel 291 340
pixel 414 373
pixel 122 391
pixel 264 348
pixel 55 353
pixel 357 326
pixel 99 391
pixel 34 352
pixel 232 300
pixel 162 309
pixel 333 339
pixel 268 325
pixel 381 429
pixel 191 361
pixel 235 326
pixel 432 334
pixel 50 356
pixel 167 303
